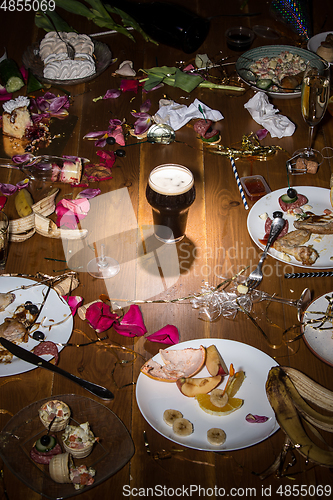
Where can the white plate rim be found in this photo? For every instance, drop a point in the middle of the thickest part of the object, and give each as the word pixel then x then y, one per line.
pixel 57 334
pixel 264 204
pixel 202 421
pixel 315 41
pixel 310 335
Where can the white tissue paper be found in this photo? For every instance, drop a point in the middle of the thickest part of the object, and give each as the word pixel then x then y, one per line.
pixel 177 115
pixel 264 113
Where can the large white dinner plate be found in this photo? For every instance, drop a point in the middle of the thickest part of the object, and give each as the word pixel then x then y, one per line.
pixel 315 41
pixel 319 199
pixel 57 325
pixel 320 342
pixel 154 397
pixel 248 58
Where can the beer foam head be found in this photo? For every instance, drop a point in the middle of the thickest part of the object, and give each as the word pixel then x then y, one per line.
pixel 171 179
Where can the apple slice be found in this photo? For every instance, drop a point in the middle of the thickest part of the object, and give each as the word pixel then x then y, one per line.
pixel 214 362
pixel 192 386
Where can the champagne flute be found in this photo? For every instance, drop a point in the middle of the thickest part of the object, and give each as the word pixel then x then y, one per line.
pixel 103 266
pixel 314 100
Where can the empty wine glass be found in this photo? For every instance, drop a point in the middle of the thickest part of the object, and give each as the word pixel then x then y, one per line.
pixel 103 266
pixel 314 100
pixel 300 303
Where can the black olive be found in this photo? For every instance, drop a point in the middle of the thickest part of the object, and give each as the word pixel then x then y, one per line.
pixel 110 141
pixel 45 440
pixel 120 152
pixel 32 308
pixel 292 193
pixel 28 302
pixel 38 335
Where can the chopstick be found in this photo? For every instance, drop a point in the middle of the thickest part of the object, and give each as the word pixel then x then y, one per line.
pixel 233 164
pixel 320 274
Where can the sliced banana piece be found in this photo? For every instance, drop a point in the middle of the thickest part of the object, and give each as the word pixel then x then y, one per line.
pixel 218 398
pixel 182 427
pixel 169 416
pixel 216 436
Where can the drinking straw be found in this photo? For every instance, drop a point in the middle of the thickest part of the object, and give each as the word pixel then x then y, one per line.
pixel 320 274
pixel 233 164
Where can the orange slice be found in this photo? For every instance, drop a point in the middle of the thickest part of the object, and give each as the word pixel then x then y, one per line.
pixel 207 406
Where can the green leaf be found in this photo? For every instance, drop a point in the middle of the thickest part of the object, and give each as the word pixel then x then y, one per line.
pixel 75 7
pixel 98 6
pixel 186 81
pixel 42 21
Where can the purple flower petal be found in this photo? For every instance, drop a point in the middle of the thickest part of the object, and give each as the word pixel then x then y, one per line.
pixel 112 94
pixel 132 324
pixel 169 334
pixel 89 193
pixel 23 184
pixel 256 419
pixel 145 107
pixel 100 317
pixel 7 189
pixel 142 125
pixel 22 158
pixel 94 135
pixel 261 133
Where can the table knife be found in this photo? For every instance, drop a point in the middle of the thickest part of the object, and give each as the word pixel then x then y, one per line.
pixel 32 358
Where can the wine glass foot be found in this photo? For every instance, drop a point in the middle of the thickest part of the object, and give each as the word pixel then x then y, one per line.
pixel 309 155
pixel 103 268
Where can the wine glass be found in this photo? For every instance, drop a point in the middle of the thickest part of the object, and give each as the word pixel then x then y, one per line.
pixel 103 266
pixel 300 303
pixel 314 100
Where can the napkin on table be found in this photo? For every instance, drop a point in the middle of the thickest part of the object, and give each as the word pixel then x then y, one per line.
pixel 266 115
pixel 177 115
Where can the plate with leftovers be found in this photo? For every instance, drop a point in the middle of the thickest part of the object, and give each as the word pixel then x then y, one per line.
pixel 318 328
pixel 315 42
pixel 155 397
pixel 20 441
pixel 275 69
pixel 54 321
pixel 307 240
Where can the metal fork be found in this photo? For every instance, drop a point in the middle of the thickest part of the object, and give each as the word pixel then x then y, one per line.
pixel 255 278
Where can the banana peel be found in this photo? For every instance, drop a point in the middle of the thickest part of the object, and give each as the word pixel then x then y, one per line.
pixel 280 395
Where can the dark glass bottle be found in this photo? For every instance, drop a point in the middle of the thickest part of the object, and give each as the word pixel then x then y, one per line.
pixel 167 23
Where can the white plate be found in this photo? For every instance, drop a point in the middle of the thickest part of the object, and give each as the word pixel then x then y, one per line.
pixel 55 310
pixel 316 40
pixel 319 199
pixel 319 341
pixel 153 397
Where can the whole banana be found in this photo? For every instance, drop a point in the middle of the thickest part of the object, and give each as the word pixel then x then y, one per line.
pixel 289 419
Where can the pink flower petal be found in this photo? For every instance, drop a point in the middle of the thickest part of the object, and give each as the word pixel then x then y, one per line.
pixel 94 135
pixel 100 317
pixel 132 324
pixel 118 134
pixel 80 206
pixel 256 419
pixel 3 200
pixel 74 302
pixel 169 334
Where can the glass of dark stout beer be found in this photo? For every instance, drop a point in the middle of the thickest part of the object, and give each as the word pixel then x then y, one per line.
pixel 170 192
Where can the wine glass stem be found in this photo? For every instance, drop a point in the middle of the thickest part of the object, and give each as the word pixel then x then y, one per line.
pixel 311 129
pixel 274 298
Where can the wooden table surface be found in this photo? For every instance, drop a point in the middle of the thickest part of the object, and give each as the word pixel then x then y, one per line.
pixel 217 244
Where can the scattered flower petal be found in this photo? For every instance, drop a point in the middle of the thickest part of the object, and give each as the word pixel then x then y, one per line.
pixel 132 324
pixel 169 334
pixel 261 133
pixel 7 189
pixel 22 158
pixel 94 135
pixel 129 86
pixel 256 419
pixel 89 193
pixel 23 184
pixel 100 317
pixel 74 302
pixel 3 200
pixel 112 94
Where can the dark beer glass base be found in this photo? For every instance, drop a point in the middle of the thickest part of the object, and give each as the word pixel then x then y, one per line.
pixel 170 240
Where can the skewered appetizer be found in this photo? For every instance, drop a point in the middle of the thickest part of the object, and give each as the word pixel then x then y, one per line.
pixel 57 410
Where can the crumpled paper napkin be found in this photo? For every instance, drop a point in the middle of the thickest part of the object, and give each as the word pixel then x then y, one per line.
pixel 266 115
pixel 177 115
